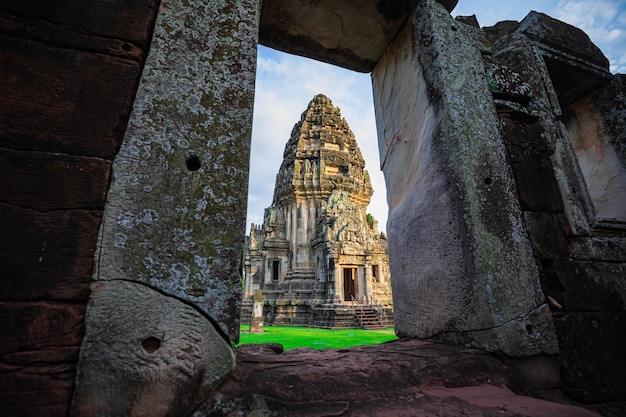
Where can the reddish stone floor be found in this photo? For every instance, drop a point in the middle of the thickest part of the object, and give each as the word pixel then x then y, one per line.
pixel 401 378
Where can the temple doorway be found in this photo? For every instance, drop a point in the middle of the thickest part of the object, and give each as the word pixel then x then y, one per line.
pixel 349 286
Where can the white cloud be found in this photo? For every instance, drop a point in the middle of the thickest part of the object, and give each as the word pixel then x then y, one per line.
pixel 587 14
pixel 603 21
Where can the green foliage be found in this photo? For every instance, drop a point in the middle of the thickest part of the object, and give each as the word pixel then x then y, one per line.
pixel 369 218
pixel 295 337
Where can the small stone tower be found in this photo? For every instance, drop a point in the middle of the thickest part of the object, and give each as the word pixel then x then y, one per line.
pixel 318 256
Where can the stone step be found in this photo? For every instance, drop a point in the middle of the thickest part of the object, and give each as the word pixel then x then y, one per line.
pixel 368 319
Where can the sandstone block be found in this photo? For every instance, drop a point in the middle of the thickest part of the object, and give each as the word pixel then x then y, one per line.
pixel 602 248
pixel 589 286
pixel 104 18
pixel 529 136
pixel 576 66
pixel 39 344
pixel 550 31
pixel 518 337
pixel 536 184
pixel 500 29
pixel 507 84
pixel 176 208
pixel 546 237
pixel 529 147
pixel 350 34
pixel 47 255
pixel 78 101
pixel 460 257
pixel 45 181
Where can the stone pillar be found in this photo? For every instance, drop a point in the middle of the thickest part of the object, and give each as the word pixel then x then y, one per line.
pixel 256 324
pixel 167 291
pixel 369 291
pixel 461 264
pixel 338 282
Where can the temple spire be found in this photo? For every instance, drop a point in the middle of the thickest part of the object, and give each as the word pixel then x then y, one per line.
pixel 317 249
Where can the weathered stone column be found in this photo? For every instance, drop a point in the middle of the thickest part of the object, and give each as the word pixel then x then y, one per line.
pixel 461 263
pixel 167 291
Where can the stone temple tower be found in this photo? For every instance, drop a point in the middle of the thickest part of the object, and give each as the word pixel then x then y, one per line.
pixel 318 257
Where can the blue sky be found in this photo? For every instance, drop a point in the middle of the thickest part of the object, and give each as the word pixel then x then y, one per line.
pixel 286 84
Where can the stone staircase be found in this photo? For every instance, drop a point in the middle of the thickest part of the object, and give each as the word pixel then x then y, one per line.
pixel 368 318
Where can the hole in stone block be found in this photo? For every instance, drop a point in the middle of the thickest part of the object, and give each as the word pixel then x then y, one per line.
pixel 151 344
pixel 529 329
pixel 488 180
pixel 193 163
pixel 453 28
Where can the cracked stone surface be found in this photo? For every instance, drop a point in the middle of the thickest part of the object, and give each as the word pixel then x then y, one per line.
pixel 533 332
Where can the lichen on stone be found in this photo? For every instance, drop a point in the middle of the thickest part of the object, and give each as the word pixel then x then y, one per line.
pixel 194 103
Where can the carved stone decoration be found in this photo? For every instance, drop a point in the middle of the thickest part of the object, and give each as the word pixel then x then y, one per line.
pixel 146 354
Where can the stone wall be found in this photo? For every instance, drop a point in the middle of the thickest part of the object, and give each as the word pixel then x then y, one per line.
pixel 506 198
pixel 69 74
pixel 576 104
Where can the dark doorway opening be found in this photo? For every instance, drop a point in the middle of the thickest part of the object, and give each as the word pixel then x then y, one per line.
pixel 349 287
pixel 275 270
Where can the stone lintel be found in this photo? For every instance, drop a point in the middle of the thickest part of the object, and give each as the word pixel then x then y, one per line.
pixel 350 34
pixel 351 259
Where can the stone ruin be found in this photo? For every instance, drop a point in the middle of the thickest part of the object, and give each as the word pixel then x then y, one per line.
pixel 125 131
pixel 318 257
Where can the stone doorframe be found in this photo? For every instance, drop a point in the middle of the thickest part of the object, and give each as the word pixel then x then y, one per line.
pixel 166 293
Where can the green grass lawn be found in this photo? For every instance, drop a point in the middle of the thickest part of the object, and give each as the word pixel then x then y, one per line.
pixel 295 337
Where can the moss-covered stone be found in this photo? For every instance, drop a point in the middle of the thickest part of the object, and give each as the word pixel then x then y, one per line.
pixel 175 214
pixel 460 258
